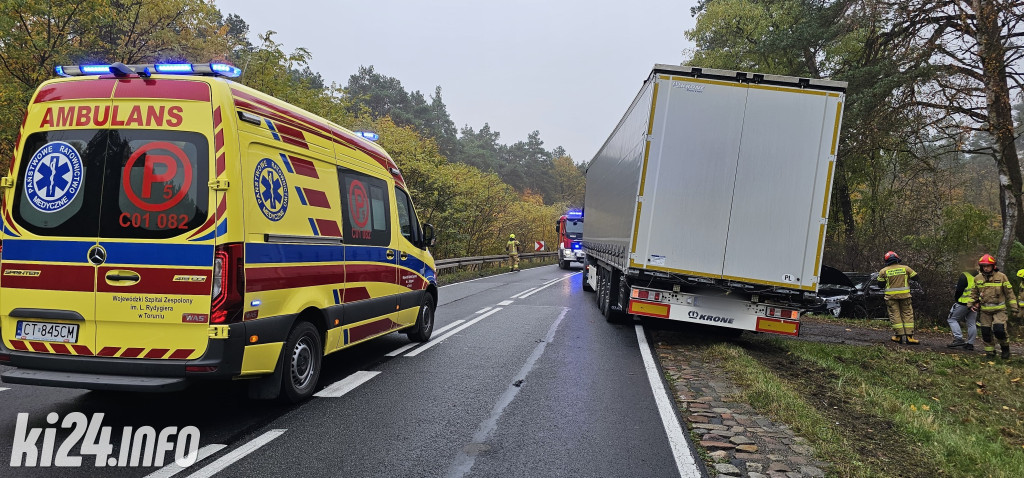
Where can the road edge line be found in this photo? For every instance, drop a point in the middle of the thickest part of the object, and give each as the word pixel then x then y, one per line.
pixel 681 446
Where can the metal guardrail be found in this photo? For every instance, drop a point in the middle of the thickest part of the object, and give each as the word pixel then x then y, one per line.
pixel 466 261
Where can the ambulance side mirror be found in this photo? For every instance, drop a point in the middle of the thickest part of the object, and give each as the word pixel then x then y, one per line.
pixel 428 235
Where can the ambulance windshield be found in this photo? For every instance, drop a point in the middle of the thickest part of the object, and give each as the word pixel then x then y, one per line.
pixel 132 183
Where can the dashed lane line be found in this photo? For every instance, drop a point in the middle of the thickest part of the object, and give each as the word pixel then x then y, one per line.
pixel 237 454
pixel 345 385
pixel 685 462
pixel 438 340
pixel 401 350
pixel 173 469
pixel 485 309
pixel 3 388
pixel 523 292
pixel 464 461
pixel 548 284
pixel 505 302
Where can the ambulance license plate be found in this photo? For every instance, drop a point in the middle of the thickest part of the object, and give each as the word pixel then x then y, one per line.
pixel 47 332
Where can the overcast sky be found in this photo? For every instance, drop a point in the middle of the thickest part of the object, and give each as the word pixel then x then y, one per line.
pixel 568 68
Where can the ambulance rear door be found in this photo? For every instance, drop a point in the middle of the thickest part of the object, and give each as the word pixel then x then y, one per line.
pixel 158 221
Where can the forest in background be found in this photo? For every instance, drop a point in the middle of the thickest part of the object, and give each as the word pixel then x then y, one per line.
pixel 475 189
pixel 929 161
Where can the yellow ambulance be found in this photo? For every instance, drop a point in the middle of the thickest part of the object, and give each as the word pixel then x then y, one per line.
pixel 164 224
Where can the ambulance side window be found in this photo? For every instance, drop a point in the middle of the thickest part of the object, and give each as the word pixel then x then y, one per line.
pixel 364 201
pixel 407 218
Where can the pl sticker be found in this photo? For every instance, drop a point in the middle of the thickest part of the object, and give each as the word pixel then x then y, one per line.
pixel 54 177
pixel 271 189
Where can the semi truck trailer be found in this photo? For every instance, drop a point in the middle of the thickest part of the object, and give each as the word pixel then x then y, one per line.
pixel 709 201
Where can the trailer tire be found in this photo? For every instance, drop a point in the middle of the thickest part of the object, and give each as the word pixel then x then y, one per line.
pixel 303 355
pixel 614 312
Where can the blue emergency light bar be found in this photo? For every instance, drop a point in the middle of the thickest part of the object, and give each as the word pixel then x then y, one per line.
pixel 574 214
pixel 368 135
pixel 145 70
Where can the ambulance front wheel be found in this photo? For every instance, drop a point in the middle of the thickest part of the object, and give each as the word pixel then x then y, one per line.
pixel 424 321
pixel 303 355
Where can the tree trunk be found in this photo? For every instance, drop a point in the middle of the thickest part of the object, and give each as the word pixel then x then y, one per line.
pixel 1000 119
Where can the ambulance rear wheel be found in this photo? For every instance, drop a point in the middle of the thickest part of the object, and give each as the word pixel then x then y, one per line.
pixel 303 354
pixel 424 321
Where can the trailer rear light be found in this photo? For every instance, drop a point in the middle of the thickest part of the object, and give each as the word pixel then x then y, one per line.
pixel 782 313
pixel 645 295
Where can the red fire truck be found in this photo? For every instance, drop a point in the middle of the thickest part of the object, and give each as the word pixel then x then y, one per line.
pixel 570 238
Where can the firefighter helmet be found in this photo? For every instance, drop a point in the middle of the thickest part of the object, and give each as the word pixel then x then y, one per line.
pixel 511 236
pixel 987 260
pixel 1020 273
pixel 891 257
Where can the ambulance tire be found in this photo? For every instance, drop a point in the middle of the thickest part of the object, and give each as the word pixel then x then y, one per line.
pixel 303 354
pixel 424 321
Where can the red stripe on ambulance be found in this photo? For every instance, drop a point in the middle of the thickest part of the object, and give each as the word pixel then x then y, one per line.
pixel 50 277
pixel 304 167
pixel 77 90
pixel 163 89
pixel 258 279
pixel 365 331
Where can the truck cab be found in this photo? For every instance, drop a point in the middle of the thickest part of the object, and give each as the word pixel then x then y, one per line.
pixel 570 238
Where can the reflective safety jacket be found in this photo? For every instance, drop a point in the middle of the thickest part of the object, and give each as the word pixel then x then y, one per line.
pixel 994 293
pixel 897 281
pixel 964 287
pixel 512 247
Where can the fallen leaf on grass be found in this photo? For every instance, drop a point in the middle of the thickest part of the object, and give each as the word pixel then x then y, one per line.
pixel 925 407
pixel 991 363
pixel 980 384
pixel 913 407
pixel 933 398
pixel 1005 407
pixel 1015 380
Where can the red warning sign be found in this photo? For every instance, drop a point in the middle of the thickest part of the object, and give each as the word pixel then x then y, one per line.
pixel 538 246
pixel 163 161
pixel 358 204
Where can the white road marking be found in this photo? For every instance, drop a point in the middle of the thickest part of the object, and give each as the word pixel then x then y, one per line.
pixel 464 461
pixel 521 293
pixel 485 309
pixel 402 349
pixel 237 454
pixel 345 385
pixel 505 302
pixel 548 284
pixel 173 469
pixel 3 388
pixel 438 340
pixel 676 437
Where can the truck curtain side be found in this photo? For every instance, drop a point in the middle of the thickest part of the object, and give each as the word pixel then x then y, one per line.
pixel 712 192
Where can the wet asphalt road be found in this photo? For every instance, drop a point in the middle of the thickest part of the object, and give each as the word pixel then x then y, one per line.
pixel 519 385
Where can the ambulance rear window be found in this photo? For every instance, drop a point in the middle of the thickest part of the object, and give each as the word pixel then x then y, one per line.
pixel 146 184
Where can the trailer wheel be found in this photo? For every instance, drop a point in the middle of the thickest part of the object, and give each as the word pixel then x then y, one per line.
pixel 424 321
pixel 614 310
pixel 303 354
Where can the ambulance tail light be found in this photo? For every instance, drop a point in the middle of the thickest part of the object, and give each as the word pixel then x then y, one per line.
pixel 228 284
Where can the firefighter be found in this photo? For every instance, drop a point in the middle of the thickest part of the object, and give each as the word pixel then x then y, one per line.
pixel 897 298
pixel 512 248
pixel 992 294
pixel 961 310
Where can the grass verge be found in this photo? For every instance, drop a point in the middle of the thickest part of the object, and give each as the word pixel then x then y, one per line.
pixel 871 411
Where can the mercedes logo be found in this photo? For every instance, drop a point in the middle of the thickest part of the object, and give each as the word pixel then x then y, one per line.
pixel 97 255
